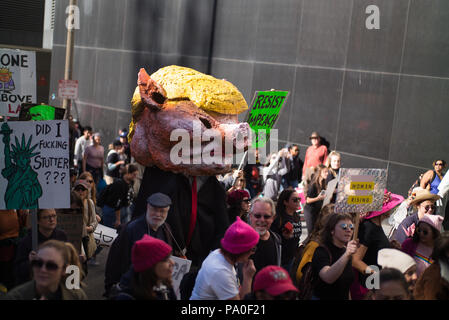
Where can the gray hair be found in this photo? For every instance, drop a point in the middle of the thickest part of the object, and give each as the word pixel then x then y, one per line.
pixel 266 200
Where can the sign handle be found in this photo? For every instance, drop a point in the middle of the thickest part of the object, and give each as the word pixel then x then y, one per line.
pixel 356 226
pixel 241 164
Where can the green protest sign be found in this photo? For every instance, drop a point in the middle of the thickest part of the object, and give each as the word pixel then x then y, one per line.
pixel 264 113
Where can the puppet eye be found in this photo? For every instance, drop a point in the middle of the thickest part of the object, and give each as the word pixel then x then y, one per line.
pixel 206 123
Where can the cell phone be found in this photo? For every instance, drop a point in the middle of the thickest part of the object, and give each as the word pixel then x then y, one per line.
pixel 288 226
pixel 323 192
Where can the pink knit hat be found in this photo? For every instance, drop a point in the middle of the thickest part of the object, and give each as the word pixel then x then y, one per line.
pixel 148 251
pixel 240 237
pixel 435 221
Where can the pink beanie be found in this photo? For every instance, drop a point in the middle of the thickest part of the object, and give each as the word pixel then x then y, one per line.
pixel 240 237
pixel 148 251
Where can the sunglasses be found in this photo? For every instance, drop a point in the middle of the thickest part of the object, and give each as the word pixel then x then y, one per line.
pixel 296 199
pixel 258 216
pixel 49 265
pixel 90 181
pixel 80 189
pixel 438 164
pixel 253 249
pixel 428 207
pixel 345 226
pixel 246 200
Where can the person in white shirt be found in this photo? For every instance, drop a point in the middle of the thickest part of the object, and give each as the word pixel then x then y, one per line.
pixel 81 144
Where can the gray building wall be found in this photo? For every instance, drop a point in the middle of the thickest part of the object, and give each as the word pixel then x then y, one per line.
pixel 379 97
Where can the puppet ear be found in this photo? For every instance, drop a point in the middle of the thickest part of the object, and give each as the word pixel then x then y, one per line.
pixel 151 93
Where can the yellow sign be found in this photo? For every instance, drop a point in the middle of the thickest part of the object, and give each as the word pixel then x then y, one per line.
pixel 362 185
pixel 360 199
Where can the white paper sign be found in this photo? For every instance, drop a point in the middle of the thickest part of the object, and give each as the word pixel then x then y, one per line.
pixel 181 267
pixel 17 80
pixel 34 165
pixel 104 236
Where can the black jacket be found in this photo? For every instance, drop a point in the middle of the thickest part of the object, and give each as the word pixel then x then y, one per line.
pixel 212 218
pixel 22 267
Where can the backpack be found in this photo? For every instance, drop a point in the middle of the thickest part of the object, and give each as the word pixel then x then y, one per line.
pixel 309 281
pixel 417 183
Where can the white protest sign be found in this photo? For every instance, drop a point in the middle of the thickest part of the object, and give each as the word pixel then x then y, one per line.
pixel 181 267
pixel 17 80
pixel 34 165
pixel 360 190
pixel 104 236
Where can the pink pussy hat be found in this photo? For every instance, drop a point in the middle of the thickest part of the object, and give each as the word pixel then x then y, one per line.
pixel 148 251
pixel 435 221
pixel 240 237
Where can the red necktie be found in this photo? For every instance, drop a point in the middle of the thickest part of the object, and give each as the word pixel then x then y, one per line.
pixel 194 211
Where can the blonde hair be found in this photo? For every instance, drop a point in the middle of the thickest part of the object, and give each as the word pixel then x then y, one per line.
pixel 74 258
pixel 328 162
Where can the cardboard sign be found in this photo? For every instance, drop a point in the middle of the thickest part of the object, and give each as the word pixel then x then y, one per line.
pixel 360 190
pixel 104 236
pixel 181 267
pixel 34 165
pixel 72 225
pixel 264 114
pixel 68 89
pixel 17 80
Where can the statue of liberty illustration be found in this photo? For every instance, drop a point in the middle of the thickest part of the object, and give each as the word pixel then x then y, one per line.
pixel 23 190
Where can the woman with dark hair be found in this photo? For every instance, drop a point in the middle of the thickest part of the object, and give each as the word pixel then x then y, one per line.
pixel 313 240
pixel 420 247
pixel 152 271
pixel 331 263
pixel 288 224
pixel 239 204
pixel 392 286
pixel 432 178
pixel 434 282
pixel 315 196
pixel 217 278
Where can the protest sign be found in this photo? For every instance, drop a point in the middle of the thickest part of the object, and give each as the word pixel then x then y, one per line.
pixel 360 190
pixel 17 80
pixel 104 236
pixel 34 165
pixel 264 114
pixel 181 267
pixel 72 225
pixel 32 111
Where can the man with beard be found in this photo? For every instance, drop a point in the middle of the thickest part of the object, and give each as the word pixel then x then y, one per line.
pixel 152 223
pixel 268 250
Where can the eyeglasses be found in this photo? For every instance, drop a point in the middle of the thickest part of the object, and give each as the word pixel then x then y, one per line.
pixel 296 199
pixel 49 217
pixel 438 164
pixel 428 207
pixel 258 216
pixel 345 226
pixel 49 265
